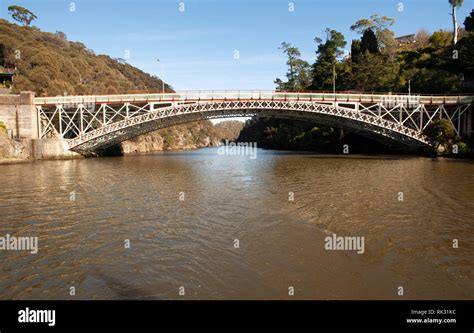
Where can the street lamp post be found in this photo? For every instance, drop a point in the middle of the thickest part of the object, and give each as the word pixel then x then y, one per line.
pixel 162 76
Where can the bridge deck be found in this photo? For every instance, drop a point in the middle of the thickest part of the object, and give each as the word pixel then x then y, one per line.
pixel 194 96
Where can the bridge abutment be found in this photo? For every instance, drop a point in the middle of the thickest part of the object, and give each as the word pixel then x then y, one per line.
pixel 51 148
pixel 18 113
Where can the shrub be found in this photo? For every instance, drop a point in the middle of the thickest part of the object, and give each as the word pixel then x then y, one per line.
pixel 3 127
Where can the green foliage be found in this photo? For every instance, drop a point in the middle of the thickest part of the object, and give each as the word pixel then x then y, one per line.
pixel 369 42
pixel 375 66
pixel 356 51
pixel 380 25
pixel 327 56
pixel 463 148
pixel 288 134
pixel 21 14
pixel 50 65
pixel 373 72
pixel 61 35
pixel 441 39
pixel 298 70
pixel 3 127
pixel 435 81
pixel 378 64
pixel 465 62
pixel 303 135
pixel 456 3
pixel 469 22
pixel 440 133
pixel 375 22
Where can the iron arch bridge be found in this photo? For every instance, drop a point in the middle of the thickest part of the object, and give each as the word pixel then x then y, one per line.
pixel 89 123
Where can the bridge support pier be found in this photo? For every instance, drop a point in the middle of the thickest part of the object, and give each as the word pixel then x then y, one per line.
pixel 20 116
pixel 468 123
pixel 18 113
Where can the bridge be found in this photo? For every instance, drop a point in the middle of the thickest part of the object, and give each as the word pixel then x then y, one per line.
pixel 90 123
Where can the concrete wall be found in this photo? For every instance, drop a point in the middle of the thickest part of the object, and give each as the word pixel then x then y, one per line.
pixel 19 114
pixel 50 148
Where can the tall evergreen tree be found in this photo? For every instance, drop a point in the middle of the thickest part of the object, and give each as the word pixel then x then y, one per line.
pixel 355 50
pixel 327 55
pixel 469 22
pixel 369 42
pixel 380 25
pixel 298 74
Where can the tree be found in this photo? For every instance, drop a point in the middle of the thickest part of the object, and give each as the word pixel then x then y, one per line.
pixel 432 80
pixel 21 14
pixel 380 25
pixel 327 56
pixel 440 133
pixel 374 73
pixel 465 63
pixel 469 22
pixel 292 53
pixel 61 35
pixel 440 39
pixel 298 70
pixel 369 42
pixel 303 74
pixel 454 4
pixel 355 50
pixel 422 38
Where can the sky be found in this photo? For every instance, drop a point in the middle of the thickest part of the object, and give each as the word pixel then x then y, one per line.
pixel 226 44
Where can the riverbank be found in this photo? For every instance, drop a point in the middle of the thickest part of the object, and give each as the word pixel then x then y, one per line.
pixel 117 151
pixel 14 160
pixel 194 135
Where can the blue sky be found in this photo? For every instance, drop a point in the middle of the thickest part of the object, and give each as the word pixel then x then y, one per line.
pixel 198 46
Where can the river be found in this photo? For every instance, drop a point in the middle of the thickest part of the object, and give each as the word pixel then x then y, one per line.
pixel 225 227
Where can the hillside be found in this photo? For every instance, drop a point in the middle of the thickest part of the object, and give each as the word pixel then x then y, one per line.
pixel 50 65
pixel 229 130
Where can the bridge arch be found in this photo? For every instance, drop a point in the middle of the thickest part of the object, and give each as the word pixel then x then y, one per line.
pixel 333 114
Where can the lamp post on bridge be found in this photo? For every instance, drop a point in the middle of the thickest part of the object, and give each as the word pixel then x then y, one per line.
pixel 162 76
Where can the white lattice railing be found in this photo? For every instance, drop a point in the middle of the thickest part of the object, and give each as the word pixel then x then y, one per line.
pixel 256 94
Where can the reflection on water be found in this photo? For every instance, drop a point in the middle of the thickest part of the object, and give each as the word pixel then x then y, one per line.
pixel 190 243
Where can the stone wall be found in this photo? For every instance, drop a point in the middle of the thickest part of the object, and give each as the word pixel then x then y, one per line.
pixel 50 148
pixel 19 114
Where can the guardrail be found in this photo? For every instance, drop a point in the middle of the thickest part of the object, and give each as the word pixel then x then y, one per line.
pixel 205 95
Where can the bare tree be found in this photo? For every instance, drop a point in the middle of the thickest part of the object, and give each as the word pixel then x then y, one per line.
pixel 422 38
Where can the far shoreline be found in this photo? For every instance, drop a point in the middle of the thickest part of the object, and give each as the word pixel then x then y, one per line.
pixel 314 154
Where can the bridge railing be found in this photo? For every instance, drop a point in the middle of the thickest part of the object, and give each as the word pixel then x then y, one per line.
pixel 203 95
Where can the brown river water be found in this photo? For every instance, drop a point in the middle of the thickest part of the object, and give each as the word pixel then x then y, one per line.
pixel 182 213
